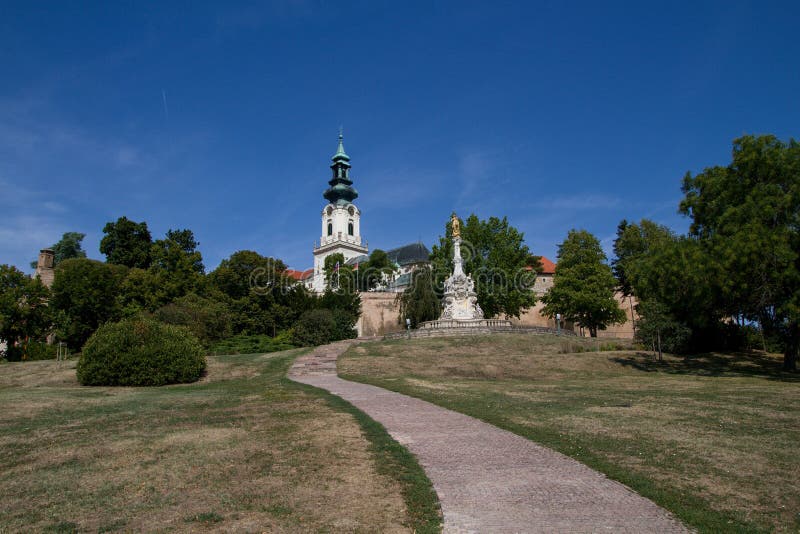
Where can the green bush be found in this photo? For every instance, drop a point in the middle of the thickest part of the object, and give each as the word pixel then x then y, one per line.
pixel 140 352
pixel 244 344
pixel 323 325
pixel 208 319
pixel 315 327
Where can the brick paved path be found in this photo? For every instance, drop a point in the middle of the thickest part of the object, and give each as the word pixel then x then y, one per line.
pixel 488 479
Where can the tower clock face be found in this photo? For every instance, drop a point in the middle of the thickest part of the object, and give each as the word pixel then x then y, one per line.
pixel 351 210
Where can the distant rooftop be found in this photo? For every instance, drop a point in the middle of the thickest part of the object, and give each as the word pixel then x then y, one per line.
pixel 409 254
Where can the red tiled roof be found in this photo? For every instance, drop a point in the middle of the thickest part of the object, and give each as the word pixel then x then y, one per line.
pixel 299 275
pixel 548 267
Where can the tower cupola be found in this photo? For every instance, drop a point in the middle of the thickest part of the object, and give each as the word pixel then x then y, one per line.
pixel 341 190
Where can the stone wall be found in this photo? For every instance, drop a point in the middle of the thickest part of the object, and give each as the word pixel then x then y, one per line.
pixel 45 267
pixel 379 315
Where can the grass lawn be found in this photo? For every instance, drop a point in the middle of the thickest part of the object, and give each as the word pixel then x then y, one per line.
pixel 242 450
pixel 712 438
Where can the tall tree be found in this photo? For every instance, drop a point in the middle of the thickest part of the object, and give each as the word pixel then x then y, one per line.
pixel 497 258
pixel 747 217
pixel 127 243
pixel 246 271
pixel 583 285
pixel 23 307
pixel 84 297
pixel 176 267
pixel 419 302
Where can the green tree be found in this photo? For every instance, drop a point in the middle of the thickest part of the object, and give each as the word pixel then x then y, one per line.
pixel 263 299
pixel 126 243
pixel 176 269
pixel 209 319
pixel 583 285
pixel 658 329
pixel 246 271
pixel 633 243
pixel 374 271
pixel 84 297
pixel 746 217
pixel 68 247
pixel 419 302
pixel 23 308
pixel 338 276
pixel 496 257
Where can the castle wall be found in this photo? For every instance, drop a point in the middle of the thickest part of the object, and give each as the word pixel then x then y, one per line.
pixel 379 314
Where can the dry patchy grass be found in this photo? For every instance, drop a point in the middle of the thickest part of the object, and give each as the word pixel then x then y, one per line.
pixel 239 451
pixel 711 437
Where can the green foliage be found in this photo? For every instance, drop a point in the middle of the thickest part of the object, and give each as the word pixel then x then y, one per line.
pixel 656 328
pixel 419 302
pixel 583 285
pixel 140 352
pixel 208 319
pixel 633 243
pixel 176 268
pixel 23 307
pixel 84 297
pixel 325 324
pixel 315 327
pixel 496 257
pixel 246 271
pixel 68 247
pixel 247 344
pixel 746 217
pixel 338 276
pixel 126 243
pixel 375 271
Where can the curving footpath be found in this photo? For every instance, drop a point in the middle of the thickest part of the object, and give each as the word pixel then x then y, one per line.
pixel 488 479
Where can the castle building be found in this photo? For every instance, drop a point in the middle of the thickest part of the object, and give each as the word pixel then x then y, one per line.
pixel 341 220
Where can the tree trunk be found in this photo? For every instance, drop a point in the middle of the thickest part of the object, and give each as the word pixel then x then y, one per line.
pixel 660 355
pixel 593 331
pixel 792 346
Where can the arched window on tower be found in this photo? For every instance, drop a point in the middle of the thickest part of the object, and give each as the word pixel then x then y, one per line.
pixel 330 228
pixel 350 228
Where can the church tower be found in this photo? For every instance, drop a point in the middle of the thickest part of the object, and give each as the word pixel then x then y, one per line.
pixel 341 219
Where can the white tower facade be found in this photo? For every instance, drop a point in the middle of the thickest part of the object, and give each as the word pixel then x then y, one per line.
pixel 341 219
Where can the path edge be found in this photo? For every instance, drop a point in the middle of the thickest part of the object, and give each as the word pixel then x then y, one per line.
pixel 391 459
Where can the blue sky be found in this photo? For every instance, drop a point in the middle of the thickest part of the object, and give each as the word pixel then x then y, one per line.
pixel 222 118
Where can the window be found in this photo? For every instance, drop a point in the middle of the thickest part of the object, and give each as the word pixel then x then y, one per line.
pixel 330 228
pixel 350 228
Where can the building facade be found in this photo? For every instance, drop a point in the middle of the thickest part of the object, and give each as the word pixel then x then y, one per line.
pixel 341 220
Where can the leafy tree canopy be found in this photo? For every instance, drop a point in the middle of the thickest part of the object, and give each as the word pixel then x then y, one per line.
pixel 583 285
pixel 84 297
pixel 23 307
pixel 247 270
pixel 126 243
pixel 419 302
pixel 746 217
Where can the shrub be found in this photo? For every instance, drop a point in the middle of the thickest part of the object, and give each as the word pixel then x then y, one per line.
pixel 323 325
pixel 315 327
pixel 140 352
pixel 244 344
pixel 208 319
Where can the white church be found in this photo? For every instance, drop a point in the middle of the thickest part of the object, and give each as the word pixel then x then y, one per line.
pixel 341 233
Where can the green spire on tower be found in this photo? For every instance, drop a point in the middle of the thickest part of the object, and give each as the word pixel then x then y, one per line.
pixel 341 189
pixel 340 153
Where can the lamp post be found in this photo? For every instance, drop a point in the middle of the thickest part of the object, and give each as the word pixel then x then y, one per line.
pixel 558 324
pixel 408 327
